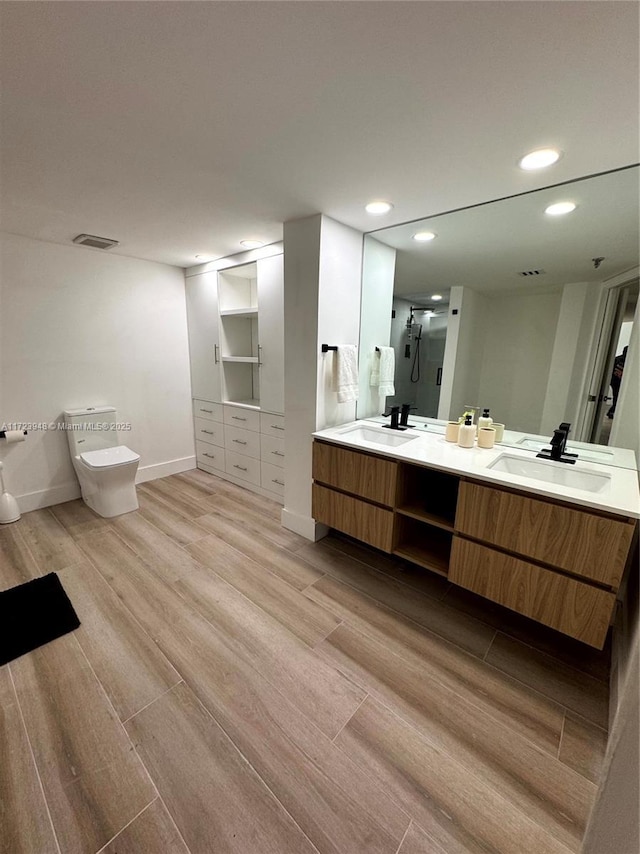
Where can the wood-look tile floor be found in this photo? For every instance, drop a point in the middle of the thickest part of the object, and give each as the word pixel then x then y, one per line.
pixel 235 688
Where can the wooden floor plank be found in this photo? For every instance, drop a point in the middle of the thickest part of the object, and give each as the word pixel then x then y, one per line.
pixel 166 493
pixel 93 781
pixel 129 665
pixel 238 509
pixel 178 528
pixel 537 783
pixel 323 694
pixel 459 811
pixel 165 557
pixel 52 547
pixel 77 518
pixel 17 564
pixel 574 653
pixel 307 620
pixel 466 632
pixel 340 808
pixel 152 832
pixel 216 799
pixel 507 700
pixel 572 688
pixel 417 842
pixel 283 563
pixel 25 826
pixel 583 747
pixel 249 500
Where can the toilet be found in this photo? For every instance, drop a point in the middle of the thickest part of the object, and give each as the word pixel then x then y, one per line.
pixel 105 469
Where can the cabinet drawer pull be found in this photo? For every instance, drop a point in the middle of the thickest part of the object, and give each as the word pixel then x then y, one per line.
pixel 208 411
pixel 215 354
pixel 242 468
pixel 279 482
pixel 276 427
pixel 208 432
pixel 239 442
pixel 278 453
pixel 211 456
pixel 259 355
pixel 238 418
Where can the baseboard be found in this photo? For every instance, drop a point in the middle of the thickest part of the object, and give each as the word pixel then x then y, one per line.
pixel 70 491
pixel 303 525
pixel 48 497
pixel 165 469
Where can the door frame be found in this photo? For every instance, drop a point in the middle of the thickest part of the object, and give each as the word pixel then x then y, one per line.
pixel 600 359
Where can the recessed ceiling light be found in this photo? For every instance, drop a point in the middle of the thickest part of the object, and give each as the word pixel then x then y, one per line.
pixel 436 297
pixel 560 208
pixel 378 208
pixel 424 236
pixel 539 159
pixel 251 244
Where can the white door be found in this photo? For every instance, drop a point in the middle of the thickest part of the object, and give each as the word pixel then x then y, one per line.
pixel 271 332
pixel 202 318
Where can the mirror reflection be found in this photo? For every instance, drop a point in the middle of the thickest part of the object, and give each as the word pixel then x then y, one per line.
pixel 509 307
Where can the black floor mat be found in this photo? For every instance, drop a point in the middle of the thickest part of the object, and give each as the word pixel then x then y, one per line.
pixel 33 614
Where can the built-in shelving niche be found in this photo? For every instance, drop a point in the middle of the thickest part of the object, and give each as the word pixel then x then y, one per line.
pixel 426 508
pixel 239 334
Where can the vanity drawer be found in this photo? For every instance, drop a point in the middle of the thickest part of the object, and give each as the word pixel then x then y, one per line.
pixel 365 522
pixel 210 455
pixel 351 471
pixel 242 441
pixel 570 606
pixel 272 450
pixel 209 431
pixel 577 541
pixel 245 468
pixel 205 409
pixel 247 419
pixel 272 478
pixel 271 425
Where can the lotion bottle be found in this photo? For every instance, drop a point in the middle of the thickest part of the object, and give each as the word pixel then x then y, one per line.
pixel 467 433
pixel 485 420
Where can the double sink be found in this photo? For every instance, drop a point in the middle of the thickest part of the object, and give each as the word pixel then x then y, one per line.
pixel 542 470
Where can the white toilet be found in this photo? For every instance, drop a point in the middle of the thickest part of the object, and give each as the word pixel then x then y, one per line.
pixel 105 469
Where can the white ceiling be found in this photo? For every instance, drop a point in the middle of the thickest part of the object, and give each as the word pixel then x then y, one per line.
pixel 180 128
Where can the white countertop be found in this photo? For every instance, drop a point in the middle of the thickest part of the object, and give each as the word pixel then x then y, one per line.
pixel 618 487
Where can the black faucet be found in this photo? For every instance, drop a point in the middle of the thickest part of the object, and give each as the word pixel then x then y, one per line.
pixel 404 414
pixel 558 451
pixel 395 414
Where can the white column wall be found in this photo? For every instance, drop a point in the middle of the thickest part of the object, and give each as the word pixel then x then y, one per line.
pixel 322 284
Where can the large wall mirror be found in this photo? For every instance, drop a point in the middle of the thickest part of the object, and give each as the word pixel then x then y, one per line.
pixel 501 305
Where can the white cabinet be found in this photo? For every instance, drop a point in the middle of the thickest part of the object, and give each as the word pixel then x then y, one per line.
pixel 271 332
pixel 236 344
pixel 251 303
pixel 202 318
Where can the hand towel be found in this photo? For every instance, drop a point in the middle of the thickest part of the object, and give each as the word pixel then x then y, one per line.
pixel 386 387
pixel 347 372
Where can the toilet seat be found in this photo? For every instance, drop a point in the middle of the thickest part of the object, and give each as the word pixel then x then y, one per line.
pixel 109 457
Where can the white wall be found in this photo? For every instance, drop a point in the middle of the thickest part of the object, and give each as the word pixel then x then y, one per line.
pixel 466 333
pixel 322 284
pixel 84 328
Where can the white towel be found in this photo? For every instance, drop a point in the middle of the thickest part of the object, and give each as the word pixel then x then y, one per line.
pixel 347 373
pixel 383 371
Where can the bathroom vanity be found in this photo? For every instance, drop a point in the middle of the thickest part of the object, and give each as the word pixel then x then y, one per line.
pixel 554 549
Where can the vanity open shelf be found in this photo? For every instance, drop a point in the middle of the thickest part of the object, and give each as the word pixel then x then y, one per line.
pixel 553 561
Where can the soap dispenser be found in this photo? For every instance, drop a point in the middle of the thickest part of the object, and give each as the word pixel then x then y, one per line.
pixel 485 420
pixel 467 433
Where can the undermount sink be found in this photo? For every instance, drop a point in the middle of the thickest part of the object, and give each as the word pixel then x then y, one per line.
pixel 551 472
pixel 379 437
pixel 586 454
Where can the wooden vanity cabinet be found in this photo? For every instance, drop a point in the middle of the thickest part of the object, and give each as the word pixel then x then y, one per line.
pixel 553 562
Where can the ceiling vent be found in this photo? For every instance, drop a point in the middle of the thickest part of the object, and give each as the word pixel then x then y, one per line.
pixel 531 273
pixel 95 242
